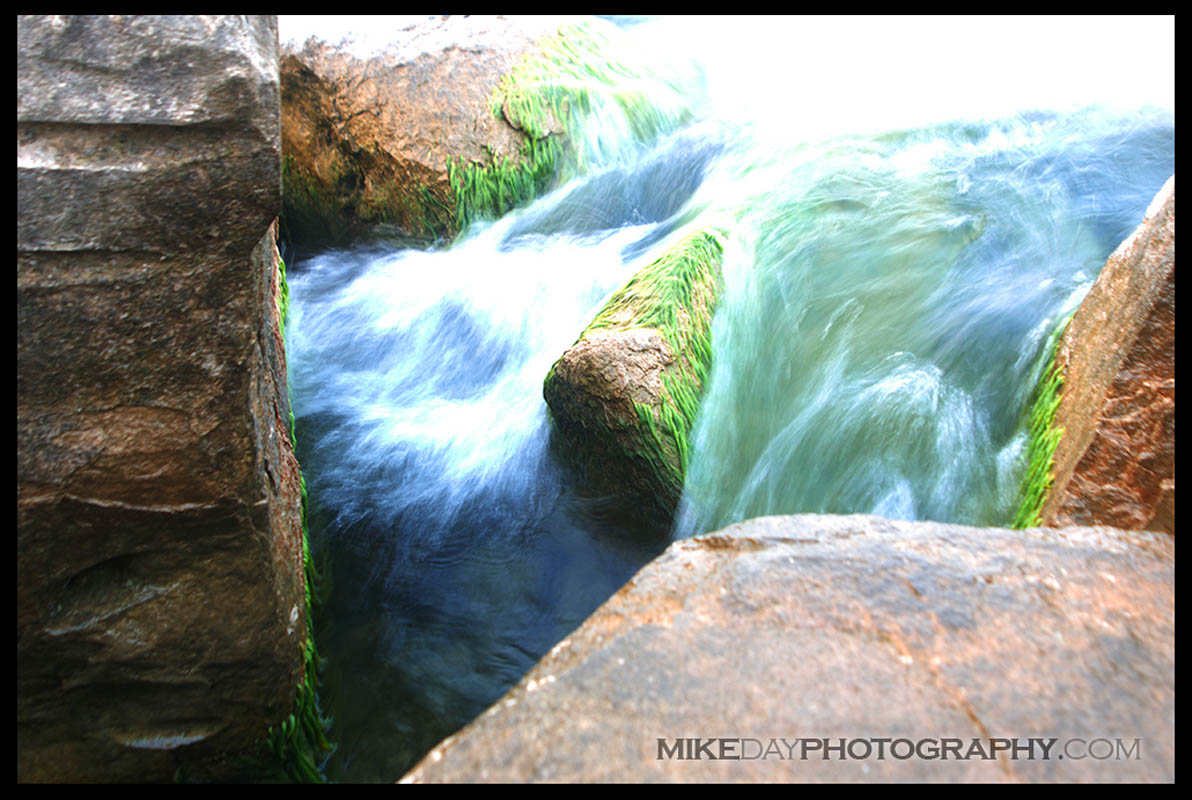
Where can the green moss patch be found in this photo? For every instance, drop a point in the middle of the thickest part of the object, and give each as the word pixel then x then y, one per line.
pixel 570 75
pixel 547 95
pixel 1043 435
pixel 489 192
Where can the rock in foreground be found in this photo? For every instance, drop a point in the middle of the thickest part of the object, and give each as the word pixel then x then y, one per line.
pixel 852 627
pixel 161 612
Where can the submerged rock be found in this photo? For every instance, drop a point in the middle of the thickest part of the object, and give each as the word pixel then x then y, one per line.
pixel 1113 422
pixel 161 614
pixel 717 658
pixel 624 397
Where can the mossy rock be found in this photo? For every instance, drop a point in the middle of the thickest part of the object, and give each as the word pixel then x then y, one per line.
pixel 299 744
pixel 1102 450
pixel 366 141
pixel 416 146
pixel 625 396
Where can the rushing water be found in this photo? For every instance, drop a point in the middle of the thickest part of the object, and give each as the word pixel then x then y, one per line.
pixel 893 267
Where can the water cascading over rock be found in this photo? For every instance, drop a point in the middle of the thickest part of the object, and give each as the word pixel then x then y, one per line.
pixel 885 298
pixel 624 397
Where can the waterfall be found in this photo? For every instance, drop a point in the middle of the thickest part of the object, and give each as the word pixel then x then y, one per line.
pixel 910 206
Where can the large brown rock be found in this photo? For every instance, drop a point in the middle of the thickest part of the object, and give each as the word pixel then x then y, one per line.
pixel 367 134
pixel 160 598
pixel 853 627
pixel 1115 464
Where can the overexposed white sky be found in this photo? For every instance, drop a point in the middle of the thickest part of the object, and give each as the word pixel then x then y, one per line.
pixel 371 29
pixel 919 69
pixel 892 70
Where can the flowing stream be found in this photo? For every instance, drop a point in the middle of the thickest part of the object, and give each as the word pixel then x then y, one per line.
pixel 910 209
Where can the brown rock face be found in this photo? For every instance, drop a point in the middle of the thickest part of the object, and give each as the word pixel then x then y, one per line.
pixel 853 628
pixel 367 136
pixel 592 392
pixel 1115 464
pixel 160 600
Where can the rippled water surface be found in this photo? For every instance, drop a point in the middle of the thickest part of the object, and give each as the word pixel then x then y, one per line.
pixel 903 233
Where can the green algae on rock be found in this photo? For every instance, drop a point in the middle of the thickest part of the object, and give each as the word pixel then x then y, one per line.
pixel 1102 427
pixel 368 134
pixel 568 76
pixel 300 742
pixel 625 396
pixel 1115 464
pixel 488 192
pixel 418 141
pixel 459 120
pixel 1043 435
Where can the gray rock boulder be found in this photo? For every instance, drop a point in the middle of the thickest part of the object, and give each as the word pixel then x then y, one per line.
pixel 161 615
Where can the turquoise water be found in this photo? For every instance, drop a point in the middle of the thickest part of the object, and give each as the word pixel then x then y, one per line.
pixel 892 268
pixel 887 300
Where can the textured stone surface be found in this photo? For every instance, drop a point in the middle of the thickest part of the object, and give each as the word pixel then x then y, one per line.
pixel 1115 464
pixel 623 398
pixel 591 393
pixel 367 133
pixel 852 627
pixel 111 119
pixel 160 600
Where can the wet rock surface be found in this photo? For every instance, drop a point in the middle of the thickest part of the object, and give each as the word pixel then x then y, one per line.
pixel 368 132
pixel 853 627
pixel 160 601
pixel 1115 464
pixel 592 392
pixel 623 398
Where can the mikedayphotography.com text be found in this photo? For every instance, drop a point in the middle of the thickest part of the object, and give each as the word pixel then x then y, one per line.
pixel 882 748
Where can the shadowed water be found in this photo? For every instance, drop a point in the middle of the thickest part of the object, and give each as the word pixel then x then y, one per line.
pixel 459 551
pixel 888 290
